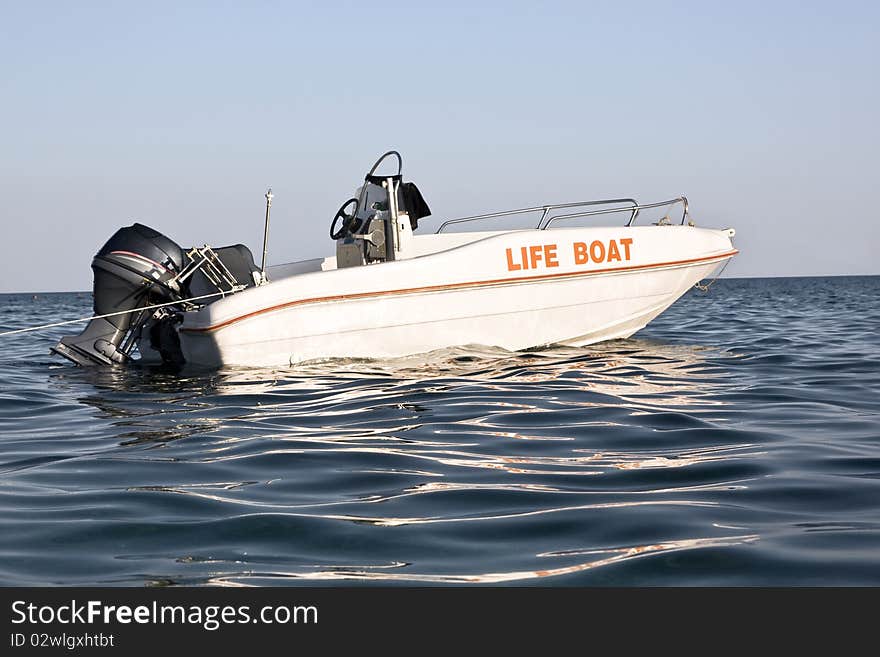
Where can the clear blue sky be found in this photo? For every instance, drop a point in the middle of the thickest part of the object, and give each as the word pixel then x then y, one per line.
pixel 181 114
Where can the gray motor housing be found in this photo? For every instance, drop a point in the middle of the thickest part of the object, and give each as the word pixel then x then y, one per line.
pixel 135 268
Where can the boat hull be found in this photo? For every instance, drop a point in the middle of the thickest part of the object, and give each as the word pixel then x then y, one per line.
pixel 515 290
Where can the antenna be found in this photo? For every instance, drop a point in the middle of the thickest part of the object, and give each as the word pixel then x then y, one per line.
pixel 269 196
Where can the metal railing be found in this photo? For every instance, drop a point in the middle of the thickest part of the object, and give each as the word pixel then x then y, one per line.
pixel 215 271
pixel 633 208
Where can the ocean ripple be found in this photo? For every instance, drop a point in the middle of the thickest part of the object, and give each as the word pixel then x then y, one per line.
pixel 735 441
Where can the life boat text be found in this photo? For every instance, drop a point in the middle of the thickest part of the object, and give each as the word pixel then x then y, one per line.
pixel 545 255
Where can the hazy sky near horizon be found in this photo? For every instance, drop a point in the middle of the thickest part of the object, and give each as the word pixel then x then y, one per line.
pixel 179 115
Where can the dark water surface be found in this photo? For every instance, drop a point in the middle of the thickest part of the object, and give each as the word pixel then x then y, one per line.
pixel 734 441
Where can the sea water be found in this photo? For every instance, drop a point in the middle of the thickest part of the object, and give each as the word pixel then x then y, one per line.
pixel 734 441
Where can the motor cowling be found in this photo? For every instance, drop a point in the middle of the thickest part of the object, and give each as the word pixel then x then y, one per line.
pixel 137 267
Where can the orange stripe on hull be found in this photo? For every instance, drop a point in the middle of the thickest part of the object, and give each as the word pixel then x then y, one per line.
pixel 453 286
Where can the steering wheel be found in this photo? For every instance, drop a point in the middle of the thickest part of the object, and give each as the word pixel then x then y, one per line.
pixel 349 222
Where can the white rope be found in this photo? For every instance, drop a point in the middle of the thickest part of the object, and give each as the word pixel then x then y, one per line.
pixel 121 312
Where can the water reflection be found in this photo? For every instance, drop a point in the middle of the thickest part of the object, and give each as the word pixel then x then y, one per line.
pixel 383 572
pixel 472 437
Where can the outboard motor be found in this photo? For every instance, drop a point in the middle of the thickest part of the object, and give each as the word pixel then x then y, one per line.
pixel 137 267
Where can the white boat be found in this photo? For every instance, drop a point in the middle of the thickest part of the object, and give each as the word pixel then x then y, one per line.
pixel 389 291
